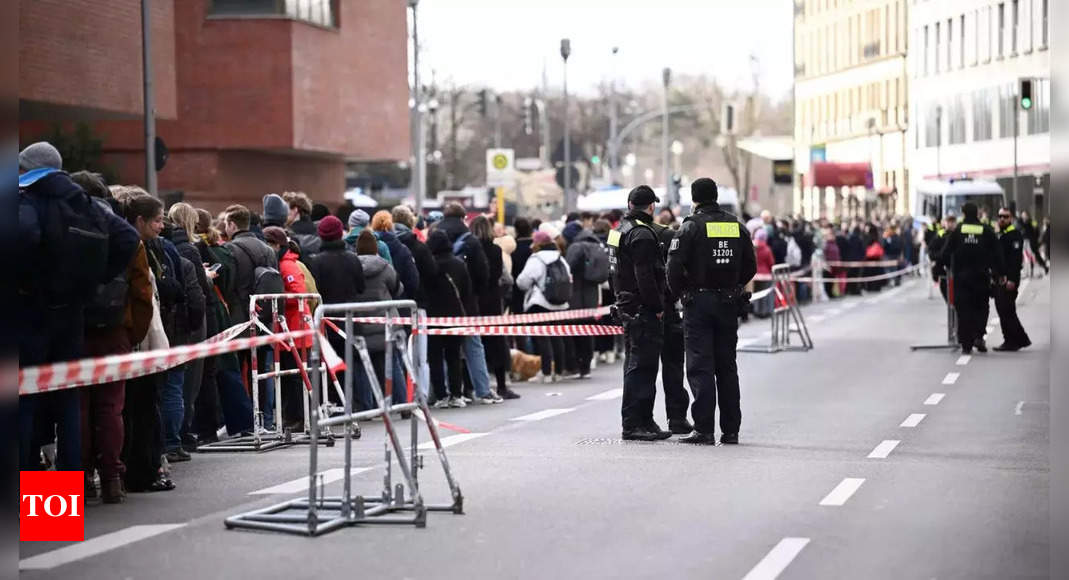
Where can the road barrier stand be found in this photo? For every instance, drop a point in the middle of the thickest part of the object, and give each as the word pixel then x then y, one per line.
pixel 318 514
pixel 267 437
pixel 786 316
pixel 952 320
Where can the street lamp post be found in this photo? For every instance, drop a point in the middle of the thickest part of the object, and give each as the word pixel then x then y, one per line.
pixel 419 162
pixel 666 76
pixel 565 52
pixel 614 161
pixel 150 98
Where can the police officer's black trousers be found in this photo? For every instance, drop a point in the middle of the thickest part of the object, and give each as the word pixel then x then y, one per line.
pixel 712 332
pixel 676 398
pixel 642 350
pixel 971 302
pixel 1006 305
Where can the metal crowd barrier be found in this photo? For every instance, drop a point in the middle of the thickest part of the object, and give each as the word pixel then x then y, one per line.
pixel 786 317
pixel 318 514
pixel 264 438
pixel 952 319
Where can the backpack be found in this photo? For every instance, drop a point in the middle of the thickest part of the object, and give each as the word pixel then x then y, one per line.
pixel 265 280
pixel 309 243
pixel 73 239
pixel 794 253
pixel 107 307
pixel 458 246
pixel 557 285
pixel 596 267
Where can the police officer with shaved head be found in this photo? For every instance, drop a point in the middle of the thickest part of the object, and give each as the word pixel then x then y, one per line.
pixel 637 280
pixel 973 255
pixel 710 259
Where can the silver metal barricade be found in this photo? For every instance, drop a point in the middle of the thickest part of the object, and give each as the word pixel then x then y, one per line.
pixel 317 514
pixel 266 437
pixel 786 317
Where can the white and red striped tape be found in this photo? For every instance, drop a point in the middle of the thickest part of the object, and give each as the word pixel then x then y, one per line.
pixel 497 320
pixel 548 330
pixel 865 264
pixel 93 371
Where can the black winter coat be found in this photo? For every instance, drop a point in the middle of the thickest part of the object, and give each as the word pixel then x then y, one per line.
pixel 490 298
pixel 422 257
pixel 519 260
pixel 338 273
pixel 403 263
pixel 450 289
pixel 584 294
pixel 250 252
pixel 471 253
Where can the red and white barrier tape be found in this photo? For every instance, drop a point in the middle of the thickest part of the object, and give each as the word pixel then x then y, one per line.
pixel 862 279
pixel 93 371
pixel 860 264
pixel 498 320
pixel 549 330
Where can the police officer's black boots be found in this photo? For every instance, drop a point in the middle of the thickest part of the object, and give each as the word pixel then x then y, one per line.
pixel 729 439
pixel 980 345
pixel 680 426
pixel 698 438
pixel 649 433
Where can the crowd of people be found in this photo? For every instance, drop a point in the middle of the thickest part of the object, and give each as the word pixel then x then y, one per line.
pixel 141 276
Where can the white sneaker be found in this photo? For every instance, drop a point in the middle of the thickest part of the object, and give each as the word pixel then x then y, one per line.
pixel 569 376
pixel 610 357
pixel 487 400
pixel 441 404
pixel 457 403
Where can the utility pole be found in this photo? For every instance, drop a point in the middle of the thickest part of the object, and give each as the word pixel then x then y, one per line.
pixel 614 161
pixel 419 157
pixel 149 98
pixel 666 76
pixel 565 52
pixel 497 121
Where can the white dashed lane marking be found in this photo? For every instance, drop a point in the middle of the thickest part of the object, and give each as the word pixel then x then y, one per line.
pixel 453 440
pixel 607 395
pixel 777 560
pixel 301 483
pixel 963 360
pixel 951 378
pixel 546 414
pixel 934 398
pixel 843 491
pixel 94 546
pixel 884 449
pixel 913 420
pixel 1018 408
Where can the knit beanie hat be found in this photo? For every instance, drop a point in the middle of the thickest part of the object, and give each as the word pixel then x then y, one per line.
pixel 276 235
pixel 571 230
pixel 541 238
pixel 329 229
pixel 40 154
pixel 358 219
pixel 276 210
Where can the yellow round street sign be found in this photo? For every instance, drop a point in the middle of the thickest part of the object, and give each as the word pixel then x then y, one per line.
pixel 500 161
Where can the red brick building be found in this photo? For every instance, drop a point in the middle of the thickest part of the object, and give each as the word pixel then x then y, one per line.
pixel 253 96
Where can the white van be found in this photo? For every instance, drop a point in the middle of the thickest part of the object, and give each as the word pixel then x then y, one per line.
pixel 937 198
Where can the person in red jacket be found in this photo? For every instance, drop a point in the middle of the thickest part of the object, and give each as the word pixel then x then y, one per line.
pixel 296 312
pixel 765 260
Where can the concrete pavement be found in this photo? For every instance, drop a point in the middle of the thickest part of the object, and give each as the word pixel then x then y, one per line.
pixel 962 494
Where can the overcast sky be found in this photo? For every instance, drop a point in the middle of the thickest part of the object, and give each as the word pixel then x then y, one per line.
pixel 504 43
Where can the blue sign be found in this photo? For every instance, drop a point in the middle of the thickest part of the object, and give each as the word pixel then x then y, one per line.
pixel 818 154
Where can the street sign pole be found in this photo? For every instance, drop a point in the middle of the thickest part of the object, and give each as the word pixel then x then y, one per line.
pixel 150 98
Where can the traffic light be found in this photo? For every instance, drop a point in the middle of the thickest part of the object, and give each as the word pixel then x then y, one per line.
pixel 482 102
pixel 1026 94
pixel 595 159
pixel 528 117
pixel 727 119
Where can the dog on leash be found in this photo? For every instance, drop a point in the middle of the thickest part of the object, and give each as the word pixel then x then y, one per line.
pixel 524 366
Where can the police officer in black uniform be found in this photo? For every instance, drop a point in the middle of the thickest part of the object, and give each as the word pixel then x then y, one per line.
pixel 1011 239
pixel 709 261
pixel 676 398
pixel 973 254
pixel 935 238
pixel 638 283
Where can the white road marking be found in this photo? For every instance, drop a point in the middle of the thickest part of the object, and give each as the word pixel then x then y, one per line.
pixel 964 360
pixel 951 378
pixel 994 320
pixel 607 395
pixel 94 546
pixel 832 311
pixel 988 329
pixel 934 399
pixel 913 420
pixel 546 414
pixel 301 483
pixel 777 560
pixel 1017 409
pixel 816 318
pixel 884 449
pixel 849 305
pixel 843 491
pixel 554 394
pixel 453 440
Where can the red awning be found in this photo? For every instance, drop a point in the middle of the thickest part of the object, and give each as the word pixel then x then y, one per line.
pixel 825 174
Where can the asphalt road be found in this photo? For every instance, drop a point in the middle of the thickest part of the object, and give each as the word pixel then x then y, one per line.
pixel 859 459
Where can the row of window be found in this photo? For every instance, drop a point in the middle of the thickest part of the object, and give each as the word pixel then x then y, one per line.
pixel 993 31
pixel 982 110
pixel 851 39
pixel 882 100
pixel 321 12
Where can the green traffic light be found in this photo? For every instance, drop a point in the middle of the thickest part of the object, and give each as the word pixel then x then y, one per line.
pixel 1026 103
pixel 595 160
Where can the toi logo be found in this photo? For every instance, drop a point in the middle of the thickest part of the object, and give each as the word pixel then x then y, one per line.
pixel 52 506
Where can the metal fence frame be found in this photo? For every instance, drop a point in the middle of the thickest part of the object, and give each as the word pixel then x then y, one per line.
pixel 783 316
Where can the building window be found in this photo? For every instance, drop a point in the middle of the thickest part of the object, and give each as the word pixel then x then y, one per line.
pixel 938 47
pixel 1039 115
pixel 956 122
pixel 1044 26
pixel 981 114
pixel 950 44
pixel 1001 30
pixel 925 57
pixel 1013 27
pixel 321 12
pixel 932 124
pixel 1007 108
pixel 961 42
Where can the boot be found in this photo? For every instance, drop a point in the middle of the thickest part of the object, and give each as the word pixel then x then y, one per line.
pixel 113 491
